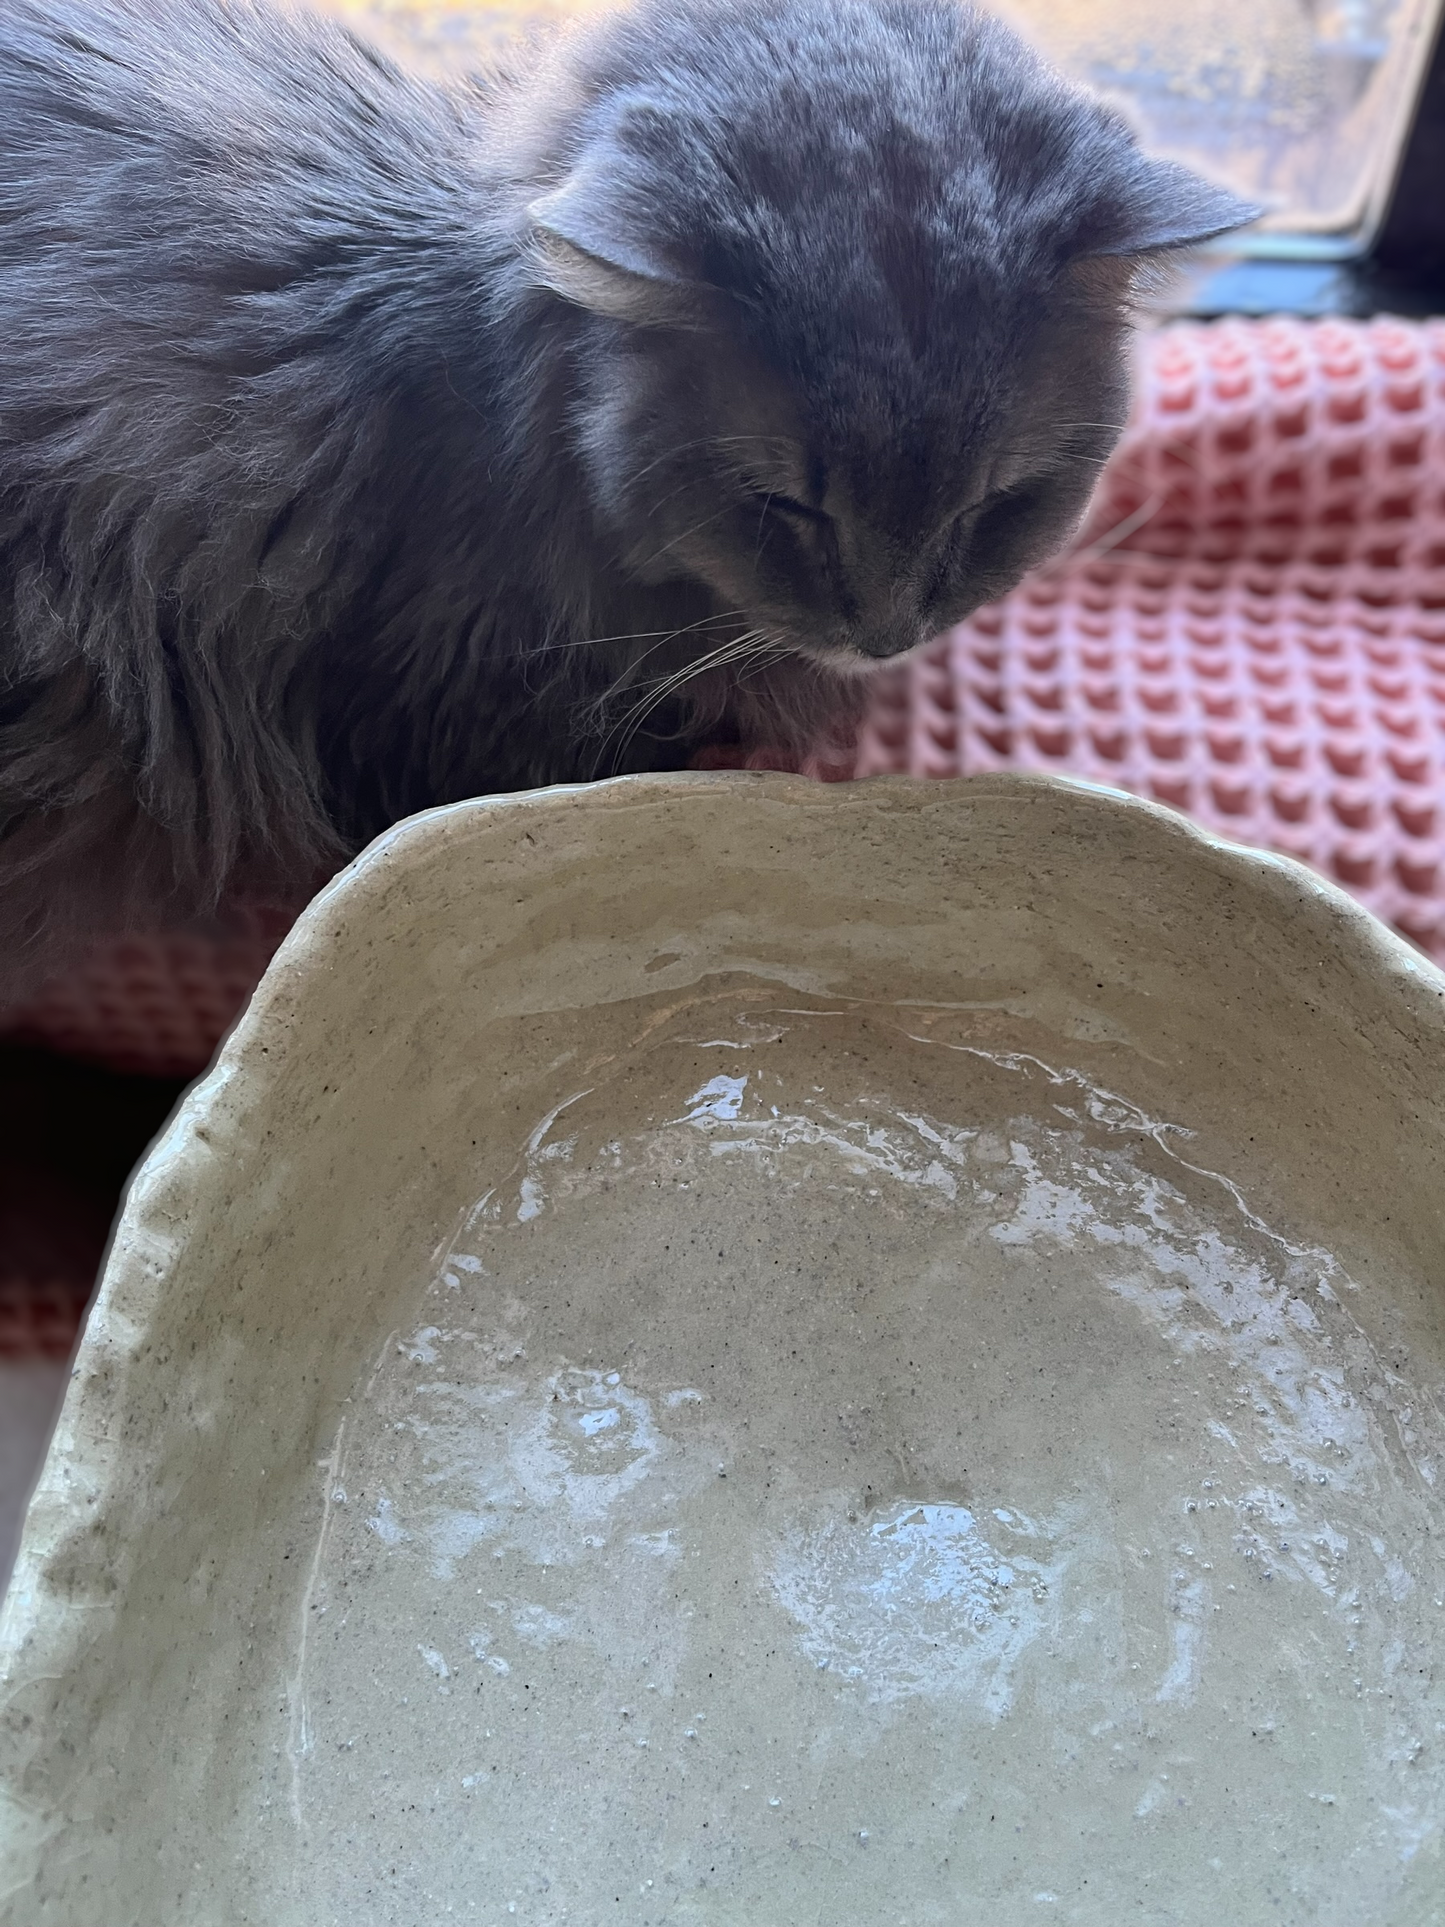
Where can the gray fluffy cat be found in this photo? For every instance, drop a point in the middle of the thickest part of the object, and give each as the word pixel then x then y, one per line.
pixel 367 443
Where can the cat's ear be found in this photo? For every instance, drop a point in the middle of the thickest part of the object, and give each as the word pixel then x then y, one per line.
pixel 583 251
pixel 1161 208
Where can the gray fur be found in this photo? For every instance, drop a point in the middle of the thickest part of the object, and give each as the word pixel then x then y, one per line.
pixel 367 443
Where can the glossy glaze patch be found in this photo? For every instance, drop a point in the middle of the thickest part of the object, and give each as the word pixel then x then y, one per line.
pixel 843 1474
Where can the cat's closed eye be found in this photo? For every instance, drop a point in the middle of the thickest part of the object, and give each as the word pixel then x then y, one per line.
pixel 769 501
pixel 1014 503
pixel 1001 519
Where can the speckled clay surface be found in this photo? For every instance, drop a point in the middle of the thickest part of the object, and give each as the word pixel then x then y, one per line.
pixel 721 1350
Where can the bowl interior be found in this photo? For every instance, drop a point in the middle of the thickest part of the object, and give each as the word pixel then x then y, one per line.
pixel 825 1360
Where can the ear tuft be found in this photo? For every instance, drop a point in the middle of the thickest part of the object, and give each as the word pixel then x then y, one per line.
pixel 584 212
pixel 1163 209
pixel 591 283
pixel 582 250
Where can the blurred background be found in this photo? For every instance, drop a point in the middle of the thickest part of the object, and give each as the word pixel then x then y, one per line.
pixel 1299 104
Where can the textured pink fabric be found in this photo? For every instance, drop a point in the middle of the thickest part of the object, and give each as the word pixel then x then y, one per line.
pixel 154 1004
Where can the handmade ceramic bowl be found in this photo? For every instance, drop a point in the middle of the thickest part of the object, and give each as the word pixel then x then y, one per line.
pixel 718 1350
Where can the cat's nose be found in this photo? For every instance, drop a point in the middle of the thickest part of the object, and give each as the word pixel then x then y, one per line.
pixel 890 634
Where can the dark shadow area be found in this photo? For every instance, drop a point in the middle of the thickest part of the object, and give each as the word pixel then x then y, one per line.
pixel 70 1136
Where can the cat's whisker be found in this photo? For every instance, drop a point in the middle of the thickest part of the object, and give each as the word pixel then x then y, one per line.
pixel 1122 530
pixel 1114 428
pixel 706 522
pixel 759 656
pixel 702 441
pixel 663 686
pixel 737 649
pixel 672 495
pixel 639 717
pixel 625 678
pixel 640 635
pixel 597 709
pixel 739 475
pixel 776 650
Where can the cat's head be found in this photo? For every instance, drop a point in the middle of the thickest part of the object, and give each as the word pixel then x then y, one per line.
pixel 850 282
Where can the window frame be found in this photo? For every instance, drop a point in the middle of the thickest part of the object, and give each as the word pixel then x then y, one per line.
pixel 1399 270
